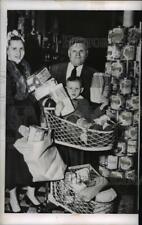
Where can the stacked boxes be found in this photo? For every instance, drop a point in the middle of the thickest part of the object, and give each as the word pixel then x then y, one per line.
pixel 123 66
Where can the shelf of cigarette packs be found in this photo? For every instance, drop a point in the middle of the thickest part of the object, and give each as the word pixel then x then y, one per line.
pixel 123 66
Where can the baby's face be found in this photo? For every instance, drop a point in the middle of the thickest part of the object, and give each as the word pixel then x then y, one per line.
pixel 74 89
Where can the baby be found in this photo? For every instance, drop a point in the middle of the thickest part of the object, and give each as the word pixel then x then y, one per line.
pixel 83 113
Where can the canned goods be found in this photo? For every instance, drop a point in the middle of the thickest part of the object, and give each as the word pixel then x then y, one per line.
pixel 112 162
pixel 130 175
pixel 125 163
pixel 104 171
pixel 138 53
pixel 137 72
pixel 103 160
pixel 128 52
pixel 135 88
pixel 132 147
pixel 118 174
pixel 128 68
pixel 113 52
pixel 125 118
pixel 121 149
pixel 117 69
pixel 114 84
pixel 136 117
pixel 117 101
pixel 116 36
pixel 131 132
pixel 108 67
pixel 133 35
pixel 133 103
pixel 125 86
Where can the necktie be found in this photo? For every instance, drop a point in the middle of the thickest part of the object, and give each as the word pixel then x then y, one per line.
pixel 74 73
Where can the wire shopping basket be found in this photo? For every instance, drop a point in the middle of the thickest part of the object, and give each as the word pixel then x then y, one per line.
pixel 62 194
pixel 71 135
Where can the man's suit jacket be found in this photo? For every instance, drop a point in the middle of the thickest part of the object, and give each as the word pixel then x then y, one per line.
pixel 58 71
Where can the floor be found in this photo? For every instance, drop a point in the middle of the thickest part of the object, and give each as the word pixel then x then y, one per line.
pixel 126 202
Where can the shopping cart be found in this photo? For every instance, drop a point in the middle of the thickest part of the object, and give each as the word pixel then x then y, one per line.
pixel 62 194
pixel 70 134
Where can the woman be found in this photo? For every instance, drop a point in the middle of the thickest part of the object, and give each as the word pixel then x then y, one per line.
pixel 20 110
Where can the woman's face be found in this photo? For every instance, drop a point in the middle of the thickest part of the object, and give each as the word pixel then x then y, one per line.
pixel 16 51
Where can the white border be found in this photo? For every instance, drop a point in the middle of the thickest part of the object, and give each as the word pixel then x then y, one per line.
pixel 71 5
pixel 97 219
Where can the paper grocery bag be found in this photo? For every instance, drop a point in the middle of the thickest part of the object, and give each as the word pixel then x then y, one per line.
pixel 43 159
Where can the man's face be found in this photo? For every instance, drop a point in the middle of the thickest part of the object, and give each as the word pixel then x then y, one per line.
pixel 77 54
pixel 16 51
pixel 74 89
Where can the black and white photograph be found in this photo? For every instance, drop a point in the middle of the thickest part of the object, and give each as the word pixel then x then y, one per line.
pixel 72 86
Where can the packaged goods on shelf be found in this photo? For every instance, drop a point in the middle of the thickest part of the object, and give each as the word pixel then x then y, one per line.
pixel 123 66
pixel 113 52
pixel 125 118
pixel 117 35
pixel 112 162
pixel 131 133
pixel 128 52
pixel 131 146
pixel 117 102
pixel 121 148
pixel 126 163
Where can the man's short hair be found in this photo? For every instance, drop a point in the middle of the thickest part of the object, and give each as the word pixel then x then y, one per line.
pixel 76 40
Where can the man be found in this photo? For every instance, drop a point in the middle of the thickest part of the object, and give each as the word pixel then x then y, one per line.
pixel 77 54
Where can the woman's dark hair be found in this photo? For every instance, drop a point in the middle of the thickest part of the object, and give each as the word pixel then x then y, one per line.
pixel 15 38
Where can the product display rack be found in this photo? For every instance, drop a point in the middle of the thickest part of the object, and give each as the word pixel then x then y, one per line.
pixel 124 68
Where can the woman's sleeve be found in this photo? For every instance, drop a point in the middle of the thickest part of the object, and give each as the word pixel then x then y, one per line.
pixel 27 68
pixel 12 118
pixel 10 89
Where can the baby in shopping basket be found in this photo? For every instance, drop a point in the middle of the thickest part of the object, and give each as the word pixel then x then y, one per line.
pixel 83 115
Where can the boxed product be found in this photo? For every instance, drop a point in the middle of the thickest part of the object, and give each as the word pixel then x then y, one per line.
pixel 38 79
